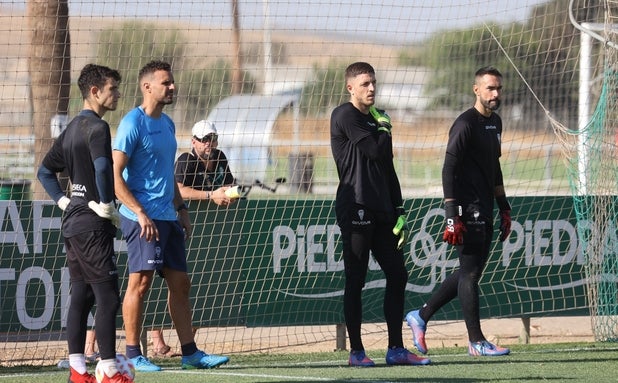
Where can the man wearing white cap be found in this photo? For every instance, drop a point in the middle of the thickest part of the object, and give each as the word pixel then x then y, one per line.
pixel 204 173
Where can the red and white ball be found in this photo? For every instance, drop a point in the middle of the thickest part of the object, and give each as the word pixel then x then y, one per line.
pixel 123 364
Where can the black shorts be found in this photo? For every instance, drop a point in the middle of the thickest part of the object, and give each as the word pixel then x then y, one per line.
pixel 364 231
pixel 91 257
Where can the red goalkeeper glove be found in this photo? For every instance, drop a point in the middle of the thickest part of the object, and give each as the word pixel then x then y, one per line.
pixel 505 225
pixel 455 229
pixel 505 217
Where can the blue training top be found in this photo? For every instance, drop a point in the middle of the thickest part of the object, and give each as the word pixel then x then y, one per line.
pixel 150 144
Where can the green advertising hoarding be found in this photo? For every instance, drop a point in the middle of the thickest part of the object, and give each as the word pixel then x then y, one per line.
pixel 278 262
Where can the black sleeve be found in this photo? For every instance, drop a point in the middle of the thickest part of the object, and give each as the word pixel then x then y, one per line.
pixel 377 149
pixel 50 183
pixel 104 178
pixel 54 159
pixel 229 177
pixel 395 188
pixel 455 148
pixel 100 145
pixel 180 168
pixel 499 177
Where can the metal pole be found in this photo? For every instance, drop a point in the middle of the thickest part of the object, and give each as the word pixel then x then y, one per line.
pixel 584 107
pixel 268 85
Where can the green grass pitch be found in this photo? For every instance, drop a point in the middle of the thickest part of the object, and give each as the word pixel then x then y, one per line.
pixel 567 362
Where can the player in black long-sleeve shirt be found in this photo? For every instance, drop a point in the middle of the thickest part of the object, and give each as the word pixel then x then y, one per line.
pixel 471 180
pixel 368 206
pixel 84 150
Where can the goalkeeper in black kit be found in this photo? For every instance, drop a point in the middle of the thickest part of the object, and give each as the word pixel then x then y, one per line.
pixel 472 181
pixel 84 151
pixel 369 212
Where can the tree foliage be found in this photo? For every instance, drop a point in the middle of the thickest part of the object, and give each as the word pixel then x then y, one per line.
pixel 544 51
pixel 136 43
pixel 203 89
pixel 325 91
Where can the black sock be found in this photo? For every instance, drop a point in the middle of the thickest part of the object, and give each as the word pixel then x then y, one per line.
pixel 188 349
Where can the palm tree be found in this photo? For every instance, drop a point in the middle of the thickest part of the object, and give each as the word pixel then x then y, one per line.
pixel 236 65
pixel 49 66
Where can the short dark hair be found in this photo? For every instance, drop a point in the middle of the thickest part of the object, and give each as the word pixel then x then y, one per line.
pixel 487 70
pixel 357 68
pixel 95 75
pixel 152 67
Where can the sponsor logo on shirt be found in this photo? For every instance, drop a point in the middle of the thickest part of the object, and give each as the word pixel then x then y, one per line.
pixel 78 190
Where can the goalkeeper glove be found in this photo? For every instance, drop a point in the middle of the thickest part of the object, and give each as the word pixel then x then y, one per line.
pixel 382 118
pixel 401 227
pixel 63 202
pixel 505 217
pixel 455 229
pixel 505 225
pixel 106 210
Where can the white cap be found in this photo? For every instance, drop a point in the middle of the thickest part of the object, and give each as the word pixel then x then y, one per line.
pixel 203 128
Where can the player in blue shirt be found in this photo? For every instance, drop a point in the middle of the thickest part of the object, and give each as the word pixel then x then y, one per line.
pixel 154 218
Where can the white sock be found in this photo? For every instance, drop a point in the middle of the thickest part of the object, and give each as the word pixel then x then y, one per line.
pixel 78 362
pixel 109 366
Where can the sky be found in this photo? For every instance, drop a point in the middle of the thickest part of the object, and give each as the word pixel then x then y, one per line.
pixel 399 20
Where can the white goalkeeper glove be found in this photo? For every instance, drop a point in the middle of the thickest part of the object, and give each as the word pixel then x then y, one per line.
pixel 106 210
pixel 63 202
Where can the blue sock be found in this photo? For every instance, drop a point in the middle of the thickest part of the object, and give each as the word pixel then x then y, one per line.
pixel 133 351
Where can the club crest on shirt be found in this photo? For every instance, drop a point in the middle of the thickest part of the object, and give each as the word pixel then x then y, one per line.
pixel 361 221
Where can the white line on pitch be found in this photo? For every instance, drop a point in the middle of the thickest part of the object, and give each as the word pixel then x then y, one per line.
pixel 269 376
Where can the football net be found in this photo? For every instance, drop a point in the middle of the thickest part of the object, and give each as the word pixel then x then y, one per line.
pixel 268 73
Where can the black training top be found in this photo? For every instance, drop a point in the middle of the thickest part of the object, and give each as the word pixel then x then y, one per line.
pixel 364 159
pixel 191 171
pixel 86 138
pixel 471 168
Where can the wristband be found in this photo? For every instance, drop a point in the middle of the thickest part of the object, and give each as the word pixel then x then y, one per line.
pixel 385 130
pixel 451 209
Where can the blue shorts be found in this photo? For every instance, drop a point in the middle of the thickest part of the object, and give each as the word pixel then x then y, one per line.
pixel 169 251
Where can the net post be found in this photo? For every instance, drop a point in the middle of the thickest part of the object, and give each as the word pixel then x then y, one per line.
pixel 524 332
pixel 143 339
pixel 340 337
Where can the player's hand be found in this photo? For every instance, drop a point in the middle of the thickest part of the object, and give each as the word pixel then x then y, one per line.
pixel 106 210
pixel 382 118
pixel 63 202
pixel 185 222
pixel 219 196
pixel 455 229
pixel 505 225
pixel 401 228
pixel 149 229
